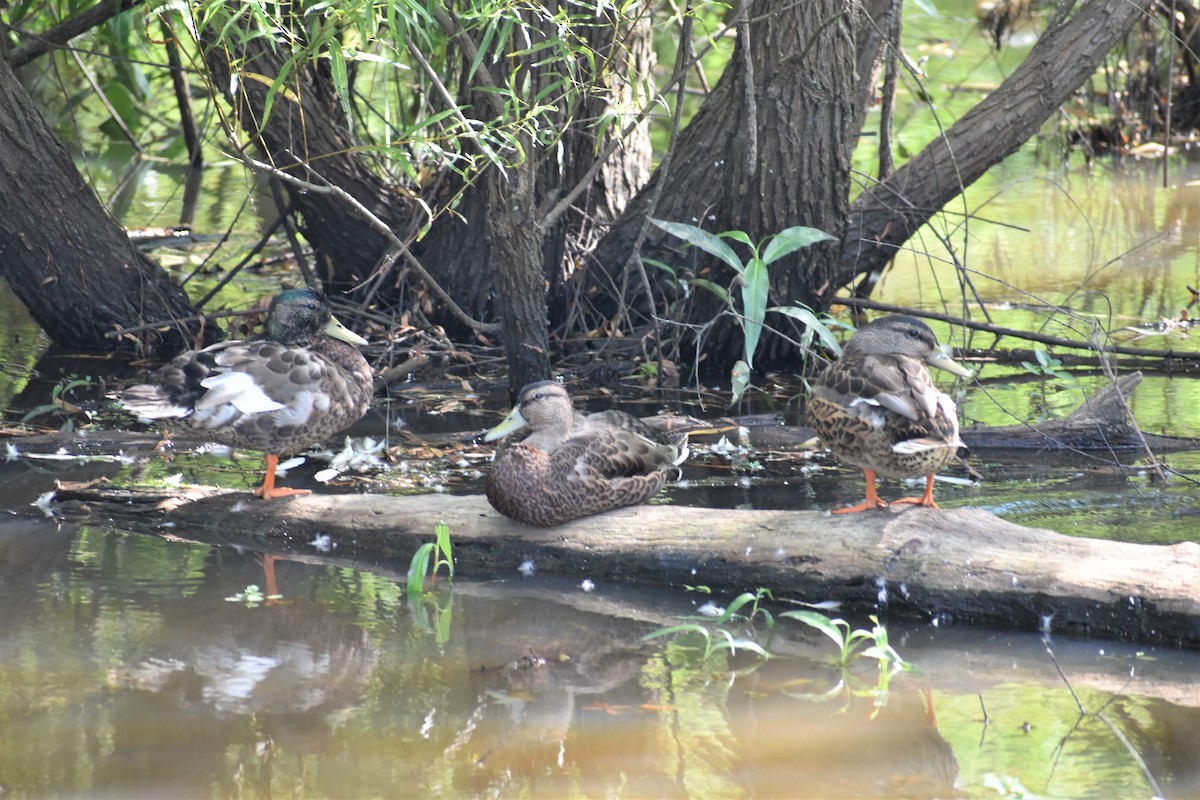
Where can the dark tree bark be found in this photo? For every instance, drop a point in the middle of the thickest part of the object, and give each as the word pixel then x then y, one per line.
pixel 67 30
pixel 307 129
pixel 458 250
pixel 769 149
pixel 792 167
pixel 66 259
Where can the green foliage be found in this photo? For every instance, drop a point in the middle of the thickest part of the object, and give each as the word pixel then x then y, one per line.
pixel 749 305
pixel 853 644
pixel 709 636
pixel 432 612
pixel 252 596
pixel 1048 367
pixel 429 559
pixel 60 401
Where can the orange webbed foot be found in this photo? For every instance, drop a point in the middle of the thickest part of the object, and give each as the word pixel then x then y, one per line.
pixel 872 502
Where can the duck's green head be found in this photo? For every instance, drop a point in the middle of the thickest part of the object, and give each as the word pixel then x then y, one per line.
pixel 297 316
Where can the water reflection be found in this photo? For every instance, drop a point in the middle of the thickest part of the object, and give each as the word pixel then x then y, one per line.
pixel 137 666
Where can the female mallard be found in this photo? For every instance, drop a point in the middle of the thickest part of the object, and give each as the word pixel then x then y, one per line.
pixel 280 392
pixel 877 408
pixel 572 465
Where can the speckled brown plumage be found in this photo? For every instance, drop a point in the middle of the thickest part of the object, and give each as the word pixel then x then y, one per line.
pixel 572 465
pixel 877 408
pixel 279 393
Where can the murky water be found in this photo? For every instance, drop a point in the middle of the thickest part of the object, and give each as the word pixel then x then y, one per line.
pixel 132 666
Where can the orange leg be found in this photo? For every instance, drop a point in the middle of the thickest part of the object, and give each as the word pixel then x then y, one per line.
pixel 872 500
pixel 925 499
pixel 164 444
pixel 271 587
pixel 268 490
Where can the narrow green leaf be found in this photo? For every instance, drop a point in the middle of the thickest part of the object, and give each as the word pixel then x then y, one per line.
pixel 791 240
pixel 719 291
pixel 688 628
pixel 733 645
pixel 819 621
pixel 739 379
pixel 698 237
pixel 811 323
pixel 667 268
pixel 739 236
pixel 341 83
pixel 442 531
pixel 755 286
pixel 417 569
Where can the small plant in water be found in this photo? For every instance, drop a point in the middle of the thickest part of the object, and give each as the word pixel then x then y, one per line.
pixel 429 559
pixel 60 402
pixel 1048 366
pixel 750 306
pixel 252 596
pixel 853 644
pixel 711 633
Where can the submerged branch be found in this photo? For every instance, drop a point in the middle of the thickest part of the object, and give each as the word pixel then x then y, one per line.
pixel 1032 336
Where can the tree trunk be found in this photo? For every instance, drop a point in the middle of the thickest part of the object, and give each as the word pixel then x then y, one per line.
pixel 885 216
pixel 66 259
pixel 307 131
pixel 769 149
pixel 516 243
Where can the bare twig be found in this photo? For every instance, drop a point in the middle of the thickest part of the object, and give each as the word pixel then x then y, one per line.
pixel 635 252
pixel 399 247
pixel 1141 762
pixel 999 330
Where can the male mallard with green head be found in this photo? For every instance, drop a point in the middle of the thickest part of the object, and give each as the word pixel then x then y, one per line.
pixel 298 383
pixel 572 465
pixel 877 408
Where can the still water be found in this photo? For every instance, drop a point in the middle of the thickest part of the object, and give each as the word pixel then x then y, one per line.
pixel 134 666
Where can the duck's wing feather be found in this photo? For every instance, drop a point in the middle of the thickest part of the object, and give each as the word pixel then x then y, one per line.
pixel 897 383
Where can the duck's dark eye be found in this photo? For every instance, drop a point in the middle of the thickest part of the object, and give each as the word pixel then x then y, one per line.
pixel 538 396
pixel 914 333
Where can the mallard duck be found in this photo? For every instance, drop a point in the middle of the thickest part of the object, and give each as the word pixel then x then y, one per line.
pixel 572 465
pixel 877 408
pixel 280 392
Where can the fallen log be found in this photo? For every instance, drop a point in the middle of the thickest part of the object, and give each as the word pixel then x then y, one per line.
pixel 947 566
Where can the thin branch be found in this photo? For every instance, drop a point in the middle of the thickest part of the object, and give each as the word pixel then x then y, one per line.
pixel 448 99
pixel 635 257
pixel 998 330
pixel 1158 792
pixel 65 31
pixel 400 248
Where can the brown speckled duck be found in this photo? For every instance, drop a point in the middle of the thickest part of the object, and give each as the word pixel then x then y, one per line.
pixel 572 465
pixel 298 383
pixel 877 408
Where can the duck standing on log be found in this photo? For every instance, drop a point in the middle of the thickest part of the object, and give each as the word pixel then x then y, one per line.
pixel 877 408
pixel 284 391
pixel 573 465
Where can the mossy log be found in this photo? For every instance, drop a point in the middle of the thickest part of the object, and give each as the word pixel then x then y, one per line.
pixel 948 566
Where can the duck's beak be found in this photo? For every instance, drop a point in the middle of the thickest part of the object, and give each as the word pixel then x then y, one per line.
pixel 510 424
pixel 339 331
pixel 941 359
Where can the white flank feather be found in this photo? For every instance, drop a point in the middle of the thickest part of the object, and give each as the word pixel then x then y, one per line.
pixel 237 389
